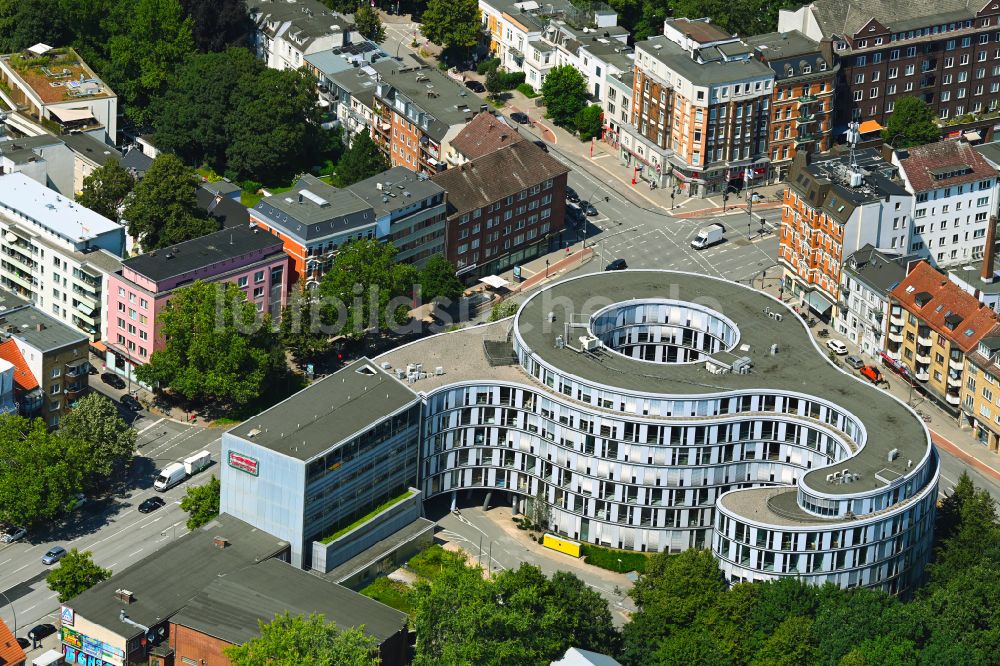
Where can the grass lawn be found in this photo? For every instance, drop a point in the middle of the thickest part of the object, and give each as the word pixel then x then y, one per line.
pixel 208 173
pixel 607 558
pixel 429 562
pixel 368 516
pixel 225 422
pixel 527 91
pixel 392 593
pixel 250 199
pixel 496 104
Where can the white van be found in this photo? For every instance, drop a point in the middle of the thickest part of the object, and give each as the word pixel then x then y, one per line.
pixel 170 476
pixel 708 236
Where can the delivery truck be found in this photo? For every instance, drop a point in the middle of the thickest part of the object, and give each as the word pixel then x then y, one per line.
pixel 176 472
pixel 708 236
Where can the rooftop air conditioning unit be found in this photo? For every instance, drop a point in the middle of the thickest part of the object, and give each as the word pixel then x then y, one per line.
pixel 589 342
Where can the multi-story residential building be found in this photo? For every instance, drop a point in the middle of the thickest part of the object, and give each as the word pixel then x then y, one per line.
pixel 601 54
pixel 44 158
pixel 503 208
pixel 834 206
pixel 944 53
pixel 326 65
pixel 955 192
pixel 313 220
pixel 866 279
pixel 56 87
pixel 89 153
pixel 484 134
pixel 248 257
pixel 617 112
pixel 933 324
pixel 55 252
pixel 981 389
pixel 700 109
pixel 355 95
pixel 286 32
pixel 410 211
pixel 50 361
pixel 419 111
pixel 656 417
pixel 805 76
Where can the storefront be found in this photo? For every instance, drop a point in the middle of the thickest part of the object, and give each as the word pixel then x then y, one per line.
pixel 82 648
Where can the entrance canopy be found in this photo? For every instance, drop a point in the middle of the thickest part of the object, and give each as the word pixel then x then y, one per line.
pixel 494 282
pixel 818 302
pixel 71 115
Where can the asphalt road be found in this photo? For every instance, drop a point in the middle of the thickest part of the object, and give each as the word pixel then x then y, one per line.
pixel 111 528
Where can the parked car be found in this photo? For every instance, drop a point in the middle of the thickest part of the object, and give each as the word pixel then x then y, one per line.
pixel 40 631
pixel 854 362
pixel 616 265
pixel 12 533
pixel 113 380
pixel 588 208
pixel 837 347
pixel 541 144
pixel 571 195
pixel 91 370
pixel 520 117
pixel 53 555
pixel 129 402
pixel 77 502
pixel 151 504
pixel 756 197
pixel 475 86
pixel 23 643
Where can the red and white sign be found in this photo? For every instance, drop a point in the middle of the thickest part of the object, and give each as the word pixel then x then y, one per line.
pixel 243 463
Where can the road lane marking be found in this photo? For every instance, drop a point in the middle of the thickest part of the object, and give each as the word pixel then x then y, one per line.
pixel 135 553
pixel 151 425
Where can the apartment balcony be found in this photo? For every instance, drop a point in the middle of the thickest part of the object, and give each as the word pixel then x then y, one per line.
pixel 954 382
pixel 807 99
pixel 952 399
pixel 896 319
pixel 805 119
pixel 957 364
pixel 805 138
pixel 20 260
pixel 893 354
pixel 924 340
pixel 25 281
pixel 895 336
pixel 922 375
pixel 923 358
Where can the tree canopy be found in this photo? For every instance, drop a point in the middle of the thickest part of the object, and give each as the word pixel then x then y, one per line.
pixel 95 422
pixel 588 122
pixel 565 92
pixel 163 209
pixel 76 573
pixel 201 503
pixel 438 280
pixel 910 124
pixel 217 347
pixel 218 24
pixel 106 189
pixel 363 159
pixel 365 289
pixel 301 327
pixel 369 23
pixel 305 641
pixel 453 24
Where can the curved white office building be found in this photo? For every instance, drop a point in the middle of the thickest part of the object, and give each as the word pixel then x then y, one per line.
pixel 657 410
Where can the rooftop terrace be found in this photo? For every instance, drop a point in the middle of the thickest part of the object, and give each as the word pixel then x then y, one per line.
pixel 58 75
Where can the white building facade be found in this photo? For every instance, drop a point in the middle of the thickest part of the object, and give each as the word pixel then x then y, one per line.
pixel 286 32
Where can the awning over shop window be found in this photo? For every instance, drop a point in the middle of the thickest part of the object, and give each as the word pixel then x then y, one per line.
pixel 869 126
pixel 973 136
pixel 818 302
pixel 494 281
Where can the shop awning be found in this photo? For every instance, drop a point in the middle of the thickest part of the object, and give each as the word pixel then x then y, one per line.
pixel 494 282
pixel 821 304
pixel 71 115
pixel 869 126
pixel 973 136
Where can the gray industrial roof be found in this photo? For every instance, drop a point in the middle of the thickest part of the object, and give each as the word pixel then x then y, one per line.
pixel 230 607
pixel 49 209
pixel 138 160
pixel 824 181
pixel 203 252
pixel 229 212
pixel 327 412
pixel 11 301
pixel 400 188
pixel 358 81
pixel 314 209
pixel 679 60
pixel 168 579
pixel 93 149
pixel 879 271
pixel 52 335
pixel 22 150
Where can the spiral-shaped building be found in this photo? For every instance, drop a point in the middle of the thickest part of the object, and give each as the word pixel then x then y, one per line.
pixel 660 410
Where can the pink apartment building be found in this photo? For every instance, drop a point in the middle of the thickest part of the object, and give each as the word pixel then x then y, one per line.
pixel 248 257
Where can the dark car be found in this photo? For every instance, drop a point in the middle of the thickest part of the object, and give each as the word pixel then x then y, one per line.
pixel 588 208
pixel 475 86
pixel 24 643
pixel 91 370
pixel 40 631
pixel 151 504
pixel 129 402
pixel 541 144
pixel 113 380
pixel 616 265
pixel 571 195
pixel 520 117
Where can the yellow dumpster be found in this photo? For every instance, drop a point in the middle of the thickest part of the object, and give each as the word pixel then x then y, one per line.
pixel 562 545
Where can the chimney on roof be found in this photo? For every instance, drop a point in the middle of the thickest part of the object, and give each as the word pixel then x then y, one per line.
pixel 39 327
pixel 125 596
pixel 220 542
pixel 989 251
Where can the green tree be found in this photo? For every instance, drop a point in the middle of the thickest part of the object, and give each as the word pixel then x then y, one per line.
pixel 911 123
pixel 438 280
pixel 882 650
pixel 789 645
pixel 40 471
pixel 369 23
pixel 301 327
pixel 155 40
pixel 218 24
pixel 363 159
pixel 75 574
pixel 95 422
pixel 565 92
pixel 305 641
pixel 504 309
pixel 106 188
pixel 273 129
pixel 494 83
pixel 588 122
pixel 163 209
pixel 201 503
pixel 217 346
pixel 24 23
pixel 366 289
pixel 191 117
pixel 453 24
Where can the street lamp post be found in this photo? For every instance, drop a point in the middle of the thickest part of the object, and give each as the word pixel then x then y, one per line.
pixel 546 268
pixel 12 610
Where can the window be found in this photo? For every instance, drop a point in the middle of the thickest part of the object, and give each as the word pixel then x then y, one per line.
pixel 258 292
pixel 55 389
pixel 143 303
pixel 121 323
pixel 242 281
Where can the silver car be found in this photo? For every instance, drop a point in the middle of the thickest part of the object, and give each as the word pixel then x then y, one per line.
pixel 54 554
pixel 12 534
pixel 854 362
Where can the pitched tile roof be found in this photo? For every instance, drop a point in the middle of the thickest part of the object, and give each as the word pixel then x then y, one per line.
pixel 497 175
pixel 945 307
pixel 484 134
pixel 848 17
pixel 22 374
pixel 944 163
pixel 11 653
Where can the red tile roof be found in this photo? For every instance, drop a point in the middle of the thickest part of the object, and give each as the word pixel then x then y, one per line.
pixel 22 374
pixel 939 159
pixel 483 135
pixel 945 307
pixel 11 653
